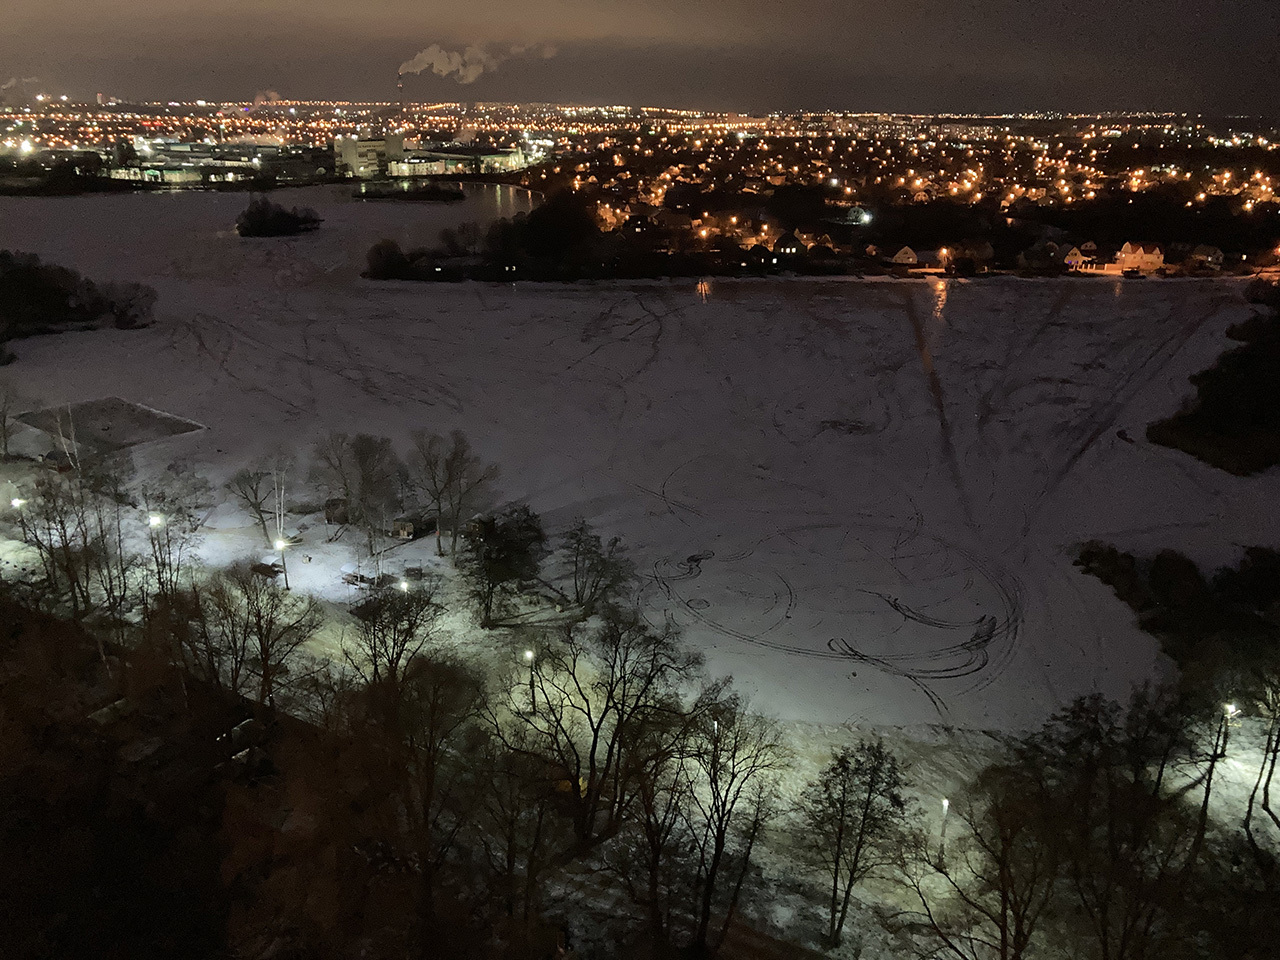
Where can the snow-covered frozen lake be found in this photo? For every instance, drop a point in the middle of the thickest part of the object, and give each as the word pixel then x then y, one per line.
pixel 860 498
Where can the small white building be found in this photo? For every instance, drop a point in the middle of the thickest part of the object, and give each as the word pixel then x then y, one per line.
pixel 905 257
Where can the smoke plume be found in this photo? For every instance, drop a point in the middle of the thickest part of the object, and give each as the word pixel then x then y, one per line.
pixel 468 65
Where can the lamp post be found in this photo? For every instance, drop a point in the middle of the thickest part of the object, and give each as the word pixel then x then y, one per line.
pixel 533 701
pixel 942 838
pixel 280 545
pixel 18 503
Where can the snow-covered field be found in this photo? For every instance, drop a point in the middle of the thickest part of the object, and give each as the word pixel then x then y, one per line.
pixel 861 499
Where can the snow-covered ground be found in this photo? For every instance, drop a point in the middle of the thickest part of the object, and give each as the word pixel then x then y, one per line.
pixel 862 499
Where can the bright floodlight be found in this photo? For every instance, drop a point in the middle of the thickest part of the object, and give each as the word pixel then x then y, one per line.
pixel 16 502
pixel 280 544
pixel 1232 711
pixel 946 805
pixel 404 585
pixel 155 520
pixel 528 655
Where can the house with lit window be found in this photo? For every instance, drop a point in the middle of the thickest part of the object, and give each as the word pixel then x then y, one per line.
pixel 1145 257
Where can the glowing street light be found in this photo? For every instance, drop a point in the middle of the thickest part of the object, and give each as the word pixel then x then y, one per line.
pixel 17 503
pixel 404 586
pixel 942 836
pixel 155 520
pixel 284 566
pixel 533 701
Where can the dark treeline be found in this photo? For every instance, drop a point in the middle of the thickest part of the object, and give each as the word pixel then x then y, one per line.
pixel 1233 422
pixel 38 298
pixel 513 760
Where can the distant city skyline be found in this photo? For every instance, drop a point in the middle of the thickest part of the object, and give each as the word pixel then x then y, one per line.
pixel 747 55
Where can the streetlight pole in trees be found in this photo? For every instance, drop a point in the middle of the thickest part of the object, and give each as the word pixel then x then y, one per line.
pixel 18 503
pixel 942 839
pixel 533 701
pixel 280 545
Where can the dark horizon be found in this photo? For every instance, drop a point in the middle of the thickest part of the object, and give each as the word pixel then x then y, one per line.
pixel 1002 56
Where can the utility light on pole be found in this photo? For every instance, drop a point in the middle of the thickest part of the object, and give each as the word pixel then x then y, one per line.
pixel 533 702
pixel 18 503
pixel 280 545
pixel 942 837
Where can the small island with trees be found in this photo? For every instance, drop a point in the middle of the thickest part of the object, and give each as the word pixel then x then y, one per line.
pixel 262 218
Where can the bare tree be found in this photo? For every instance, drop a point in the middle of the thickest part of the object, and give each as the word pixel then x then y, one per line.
pixel 254 490
pixel 987 898
pixel 852 817
pixel 116 567
pixel 1267 701
pixel 593 693
pixel 79 524
pixel 737 761
pixel 1131 831
pixel 392 628
pixel 654 854
pixel 10 402
pixel 56 522
pixel 173 507
pixel 441 700
pixel 422 719
pixel 249 631
pixel 365 472
pixel 453 481
pixel 517 824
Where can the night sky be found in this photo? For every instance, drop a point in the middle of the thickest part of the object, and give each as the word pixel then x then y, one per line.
pixel 1212 56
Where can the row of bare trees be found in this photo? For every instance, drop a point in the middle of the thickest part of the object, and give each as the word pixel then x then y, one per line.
pixel 600 743
pixel 439 476
pixel 606 748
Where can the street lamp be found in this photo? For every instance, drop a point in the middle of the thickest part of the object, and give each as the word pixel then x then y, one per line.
pixel 280 545
pixel 942 836
pixel 533 703
pixel 18 503
pixel 155 520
